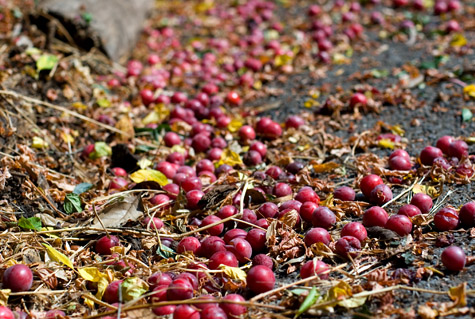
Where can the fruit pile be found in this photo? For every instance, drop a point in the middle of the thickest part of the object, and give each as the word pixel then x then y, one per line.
pixel 233 206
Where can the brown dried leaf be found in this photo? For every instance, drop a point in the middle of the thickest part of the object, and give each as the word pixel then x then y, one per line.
pixel 120 212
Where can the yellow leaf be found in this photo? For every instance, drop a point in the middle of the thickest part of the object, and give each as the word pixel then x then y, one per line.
pixel 143 175
pixel 325 167
pixel 152 117
pixel 257 85
pixel 178 148
pixel 469 90
pixel 4 294
pixel 58 256
pixel 88 301
pixel 102 286
pixel 235 124
pixel 79 106
pixel 38 143
pixel 352 302
pixel 9 263
pixel 428 190
pixel 328 202
pixel 397 129
pixel 144 163
pixel 229 157
pixel 67 138
pixel 90 273
pixel 458 40
pixel 458 295
pixel 234 272
pixel 340 291
pixel 386 143
pixel 125 125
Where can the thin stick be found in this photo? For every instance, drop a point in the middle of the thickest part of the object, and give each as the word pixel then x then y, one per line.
pixel 40 292
pixel 46 199
pixel 407 190
pixel 100 220
pixel 99 302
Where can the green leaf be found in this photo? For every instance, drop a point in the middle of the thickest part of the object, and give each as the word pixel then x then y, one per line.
pixel 298 291
pixel 103 102
pixel 144 148
pixel 132 288
pixel 165 252
pixel 81 188
pixel 46 62
pixel 72 203
pixel 87 17
pixel 466 115
pixel 311 299
pixel 33 223
pixel 101 149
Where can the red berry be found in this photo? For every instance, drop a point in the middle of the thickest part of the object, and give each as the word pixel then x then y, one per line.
pixel 233 310
pixel 188 244
pixel 282 190
pixel 315 267
pixel 444 142
pixel 233 98
pixel 274 171
pixel 348 245
pixel 241 249
pixel 268 210
pixel 252 158
pixel 168 169
pixel 147 96
pixel 323 217
pixel 180 289
pixel 344 193
pixel 400 163
pixel 185 312
pixel 356 230
pixel 18 278
pixel 458 149
pixel 215 230
pixel 429 154
pixel 54 314
pixel 201 142
pixel 162 200
pixel 227 211
pixel 409 210
pixel 263 260
pixel 358 99
pixel 159 279
pixel 260 279
pixel 467 215
pixel 400 152
pixel 423 202
pixel 234 233
pixel 246 133
pixel 294 121
pixel 111 294
pixel 222 258
pixel 399 224
pixel 368 183
pixel 164 310
pixel 375 216
pixel 307 194
pixel 453 258
pixel 6 313
pixel 381 194
pixel 118 183
pixel 153 223
pixel 317 235
pixel 291 204
pixel 257 239
pixel 171 139
pixel 213 313
pixel 211 245
pixel 306 211
pixel 119 171
pixel 104 244
pixel 446 219
pixel 191 279
pixel 193 197
pixel 259 147
pixel 248 216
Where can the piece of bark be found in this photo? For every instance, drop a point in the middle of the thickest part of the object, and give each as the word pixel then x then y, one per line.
pixel 111 25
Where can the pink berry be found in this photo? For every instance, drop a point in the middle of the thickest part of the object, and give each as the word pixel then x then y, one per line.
pixel 358 99
pixel 119 171
pixel 259 147
pixel 185 312
pixel 222 258
pixel 211 245
pixel 423 202
pixel 241 249
pixel 282 190
pixel 368 183
pixel 323 217
pixel 307 194
pixel 260 279
pixel 153 223
pixel 356 230
pixel 215 230
pixel 453 258
pixel 467 215
pixel 268 210
pixel 344 193
pixel 6 313
pixel 381 194
pixel 409 210
pixel 188 244
pixel 234 233
pixel 306 211
pixel 375 216
pixel 294 121
pixel 458 149
pixel 348 245
pixel 315 267
pixel 446 219
pixel 317 235
pixel 400 163
pixel 429 154
pixel 257 239
pixel 111 294
pixel 263 260
pixel 233 310
pixel 171 139
pixel 18 278
pixel 399 224
pixel 104 244
pixel 246 133
pixel 180 289
pixel 444 142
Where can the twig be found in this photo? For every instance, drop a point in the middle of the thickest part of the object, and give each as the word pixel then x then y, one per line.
pixel 100 220
pixel 39 292
pixel 407 190
pixel 46 199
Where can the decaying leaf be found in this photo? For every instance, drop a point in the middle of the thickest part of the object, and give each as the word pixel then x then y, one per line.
pixel 234 273
pixel 58 256
pixel 120 211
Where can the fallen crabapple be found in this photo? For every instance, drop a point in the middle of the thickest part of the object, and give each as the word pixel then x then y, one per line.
pixel 446 219
pixel 375 216
pixel 429 154
pixel 356 230
pixel 18 278
pixel 260 279
pixel 381 194
pixel 423 202
pixel 153 223
pixel 348 246
pixel 111 294
pixel 233 310
pixel 323 217
pixel 6 313
pixel 180 289
pixel 226 258
pixel 186 312
pixel 453 258
pixel 263 260
pixel 315 267
pixel 409 210
pixel 400 224
pixel 368 183
pixel 344 193
pixel 317 235
pixel 104 244
pixel 467 215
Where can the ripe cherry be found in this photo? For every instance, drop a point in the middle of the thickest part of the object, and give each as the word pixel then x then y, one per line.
pixel 6 313
pixel 444 142
pixel 212 313
pixel 348 245
pixel 467 215
pixel 153 223
pixel 458 149
pixel 282 190
pixel 241 249
pixel 356 230
pixel 222 258
pixel 368 183
pixel 233 98
pixel 233 310
pixel 215 230
pixel 234 233
pixel 315 267
pixel 104 244
pixel 294 121
pixel 180 289
pixel 344 193
pixel 211 245
pixel 259 147
pixel 429 154
pixel 188 244
pixel 111 294
pixel 446 219
pixel 268 210
pixel 185 312
pixel 358 99
pixel 260 279
pixel 423 202
pixel 400 163
pixel 257 239
pixel 18 278
pixel 307 194
pixel 399 224
pixel 409 210
pixel 323 217
pixel 375 216
pixel 317 235
pixel 263 260
pixel 247 133
pixel 453 258
pixel 381 194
